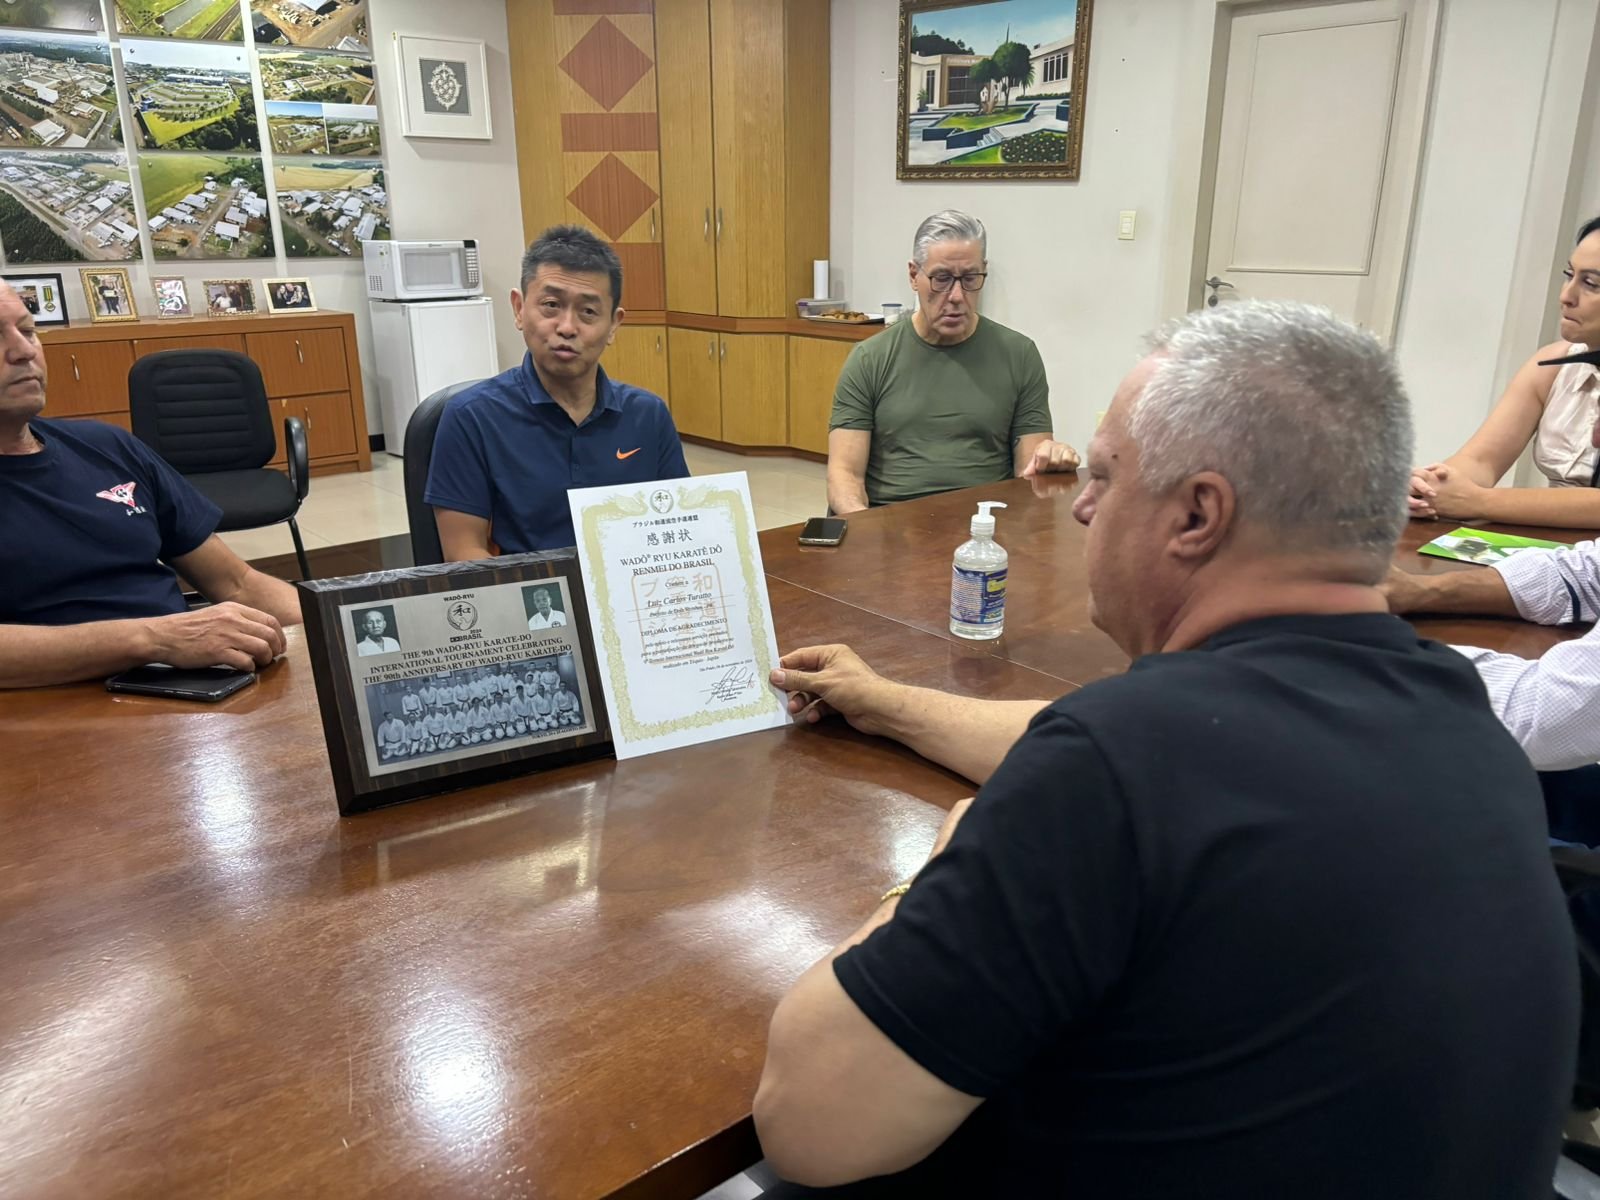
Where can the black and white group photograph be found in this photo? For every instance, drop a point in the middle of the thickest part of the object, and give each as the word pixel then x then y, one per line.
pixel 455 711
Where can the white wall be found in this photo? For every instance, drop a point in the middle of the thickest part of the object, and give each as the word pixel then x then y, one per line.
pixel 443 189
pixel 1057 272
pixel 1060 275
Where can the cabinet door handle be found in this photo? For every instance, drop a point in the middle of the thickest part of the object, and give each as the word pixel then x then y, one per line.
pixel 705 234
pixel 724 351
pixel 711 348
pixel 719 224
pixel 75 374
pixel 299 353
pixel 652 223
pixel 658 343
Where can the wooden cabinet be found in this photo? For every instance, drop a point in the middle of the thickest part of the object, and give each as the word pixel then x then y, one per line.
pixel 308 362
pixel 299 362
pixel 688 188
pixel 755 403
pixel 86 379
pixel 729 387
pixel 638 355
pixel 201 341
pixel 814 366
pixel 583 85
pixel 766 175
pixel 696 383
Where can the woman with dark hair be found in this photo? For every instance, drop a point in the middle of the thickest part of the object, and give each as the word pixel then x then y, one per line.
pixel 1553 401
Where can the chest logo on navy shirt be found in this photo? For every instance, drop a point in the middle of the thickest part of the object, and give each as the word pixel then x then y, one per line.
pixel 122 493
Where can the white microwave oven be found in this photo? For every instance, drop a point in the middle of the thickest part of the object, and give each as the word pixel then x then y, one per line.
pixel 421 270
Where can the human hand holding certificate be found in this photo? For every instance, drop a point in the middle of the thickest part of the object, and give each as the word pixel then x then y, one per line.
pixel 678 603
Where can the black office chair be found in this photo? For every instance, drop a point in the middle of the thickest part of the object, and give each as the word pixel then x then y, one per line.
pixel 206 412
pixel 418 450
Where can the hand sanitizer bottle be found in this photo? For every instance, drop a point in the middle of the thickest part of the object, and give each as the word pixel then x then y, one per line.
pixel 978 581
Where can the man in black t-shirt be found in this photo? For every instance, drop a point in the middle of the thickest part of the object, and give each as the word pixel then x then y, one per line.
pixel 1270 915
pixel 94 529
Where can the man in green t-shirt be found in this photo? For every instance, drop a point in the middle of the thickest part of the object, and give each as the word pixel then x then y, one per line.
pixel 945 400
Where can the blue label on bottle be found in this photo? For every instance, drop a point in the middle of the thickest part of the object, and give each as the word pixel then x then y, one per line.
pixel 977 597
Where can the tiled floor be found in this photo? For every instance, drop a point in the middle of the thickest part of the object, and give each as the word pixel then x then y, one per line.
pixel 367 505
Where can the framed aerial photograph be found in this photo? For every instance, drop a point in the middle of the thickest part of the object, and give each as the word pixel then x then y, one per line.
pixel 109 293
pixel 230 297
pixel 42 295
pixel 992 89
pixel 436 678
pixel 445 88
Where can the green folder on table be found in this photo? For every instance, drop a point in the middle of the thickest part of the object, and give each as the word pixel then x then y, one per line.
pixel 1481 546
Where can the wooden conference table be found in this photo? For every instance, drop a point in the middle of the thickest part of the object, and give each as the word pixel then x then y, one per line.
pixel 559 986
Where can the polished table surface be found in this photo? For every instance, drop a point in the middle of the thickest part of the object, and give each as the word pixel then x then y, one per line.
pixel 556 986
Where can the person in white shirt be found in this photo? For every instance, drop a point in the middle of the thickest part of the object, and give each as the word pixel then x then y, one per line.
pixel 373 640
pixel 546 617
pixel 1551 704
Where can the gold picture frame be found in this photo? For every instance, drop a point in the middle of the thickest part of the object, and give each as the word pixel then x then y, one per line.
pixel 109 293
pixel 969 111
pixel 230 297
pixel 291 294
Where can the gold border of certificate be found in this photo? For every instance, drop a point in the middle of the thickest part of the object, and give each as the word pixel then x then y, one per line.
pixel 632 507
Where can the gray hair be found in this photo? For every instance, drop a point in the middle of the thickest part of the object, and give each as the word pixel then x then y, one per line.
pixel 1303 413
pixel 951 225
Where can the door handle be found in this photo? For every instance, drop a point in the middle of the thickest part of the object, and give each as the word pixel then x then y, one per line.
pixel 711 348
pixel 299 353
pixel 719 224
pixel 658 343
pixel 75 374
pixel 652 223
pixel 705 234
pixel 1216 285
pixel 724 351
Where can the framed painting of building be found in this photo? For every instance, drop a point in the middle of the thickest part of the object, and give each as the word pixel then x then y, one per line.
pixel 992 89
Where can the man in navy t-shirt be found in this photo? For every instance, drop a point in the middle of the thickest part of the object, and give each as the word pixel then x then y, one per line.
pixel 1270 915
pixel 93 527
pixel 508 449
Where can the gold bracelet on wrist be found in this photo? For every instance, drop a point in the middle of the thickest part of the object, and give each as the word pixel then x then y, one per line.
pixel 899 889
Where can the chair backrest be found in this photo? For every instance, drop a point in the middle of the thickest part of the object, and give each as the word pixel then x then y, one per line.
pixel 202 410
pixel 418 449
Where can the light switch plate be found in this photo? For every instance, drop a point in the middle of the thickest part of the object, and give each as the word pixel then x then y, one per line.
pixel 1125 222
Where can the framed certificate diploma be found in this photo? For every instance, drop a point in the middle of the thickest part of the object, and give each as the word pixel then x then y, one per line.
pixel 441 677
pixel 678 602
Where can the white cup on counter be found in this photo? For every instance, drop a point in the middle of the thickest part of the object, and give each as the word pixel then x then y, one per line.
pixel 892 312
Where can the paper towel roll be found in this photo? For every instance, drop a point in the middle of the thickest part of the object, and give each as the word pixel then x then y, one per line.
pixel 819 279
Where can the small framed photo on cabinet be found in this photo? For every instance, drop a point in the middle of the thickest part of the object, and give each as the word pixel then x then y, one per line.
pixel 230 297
pixel 109 293
pixel 289 295
pixel 42 295
pixel 172 297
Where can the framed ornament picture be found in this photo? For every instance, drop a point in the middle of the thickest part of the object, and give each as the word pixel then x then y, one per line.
pixel 445 87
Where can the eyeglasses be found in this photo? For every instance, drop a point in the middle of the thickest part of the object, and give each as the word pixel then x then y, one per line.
pixel 942 281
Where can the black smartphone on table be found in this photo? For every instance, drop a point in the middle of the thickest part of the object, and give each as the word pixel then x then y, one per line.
pixel 823 531
pixel 208 684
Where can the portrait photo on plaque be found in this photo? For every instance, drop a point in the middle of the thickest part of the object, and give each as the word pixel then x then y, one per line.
pixel 441 677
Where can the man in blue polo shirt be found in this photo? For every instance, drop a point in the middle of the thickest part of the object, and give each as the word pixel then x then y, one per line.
pixel 93 527
pixel 508 449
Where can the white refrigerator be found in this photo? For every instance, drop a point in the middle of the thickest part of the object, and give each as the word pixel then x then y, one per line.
pixel 424 345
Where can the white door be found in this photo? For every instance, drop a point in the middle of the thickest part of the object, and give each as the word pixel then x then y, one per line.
pixel 1317 155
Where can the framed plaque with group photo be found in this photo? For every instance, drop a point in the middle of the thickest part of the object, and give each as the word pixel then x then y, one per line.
pixel 442 677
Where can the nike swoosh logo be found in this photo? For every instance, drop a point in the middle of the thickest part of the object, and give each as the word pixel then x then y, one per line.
pixel 629 454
